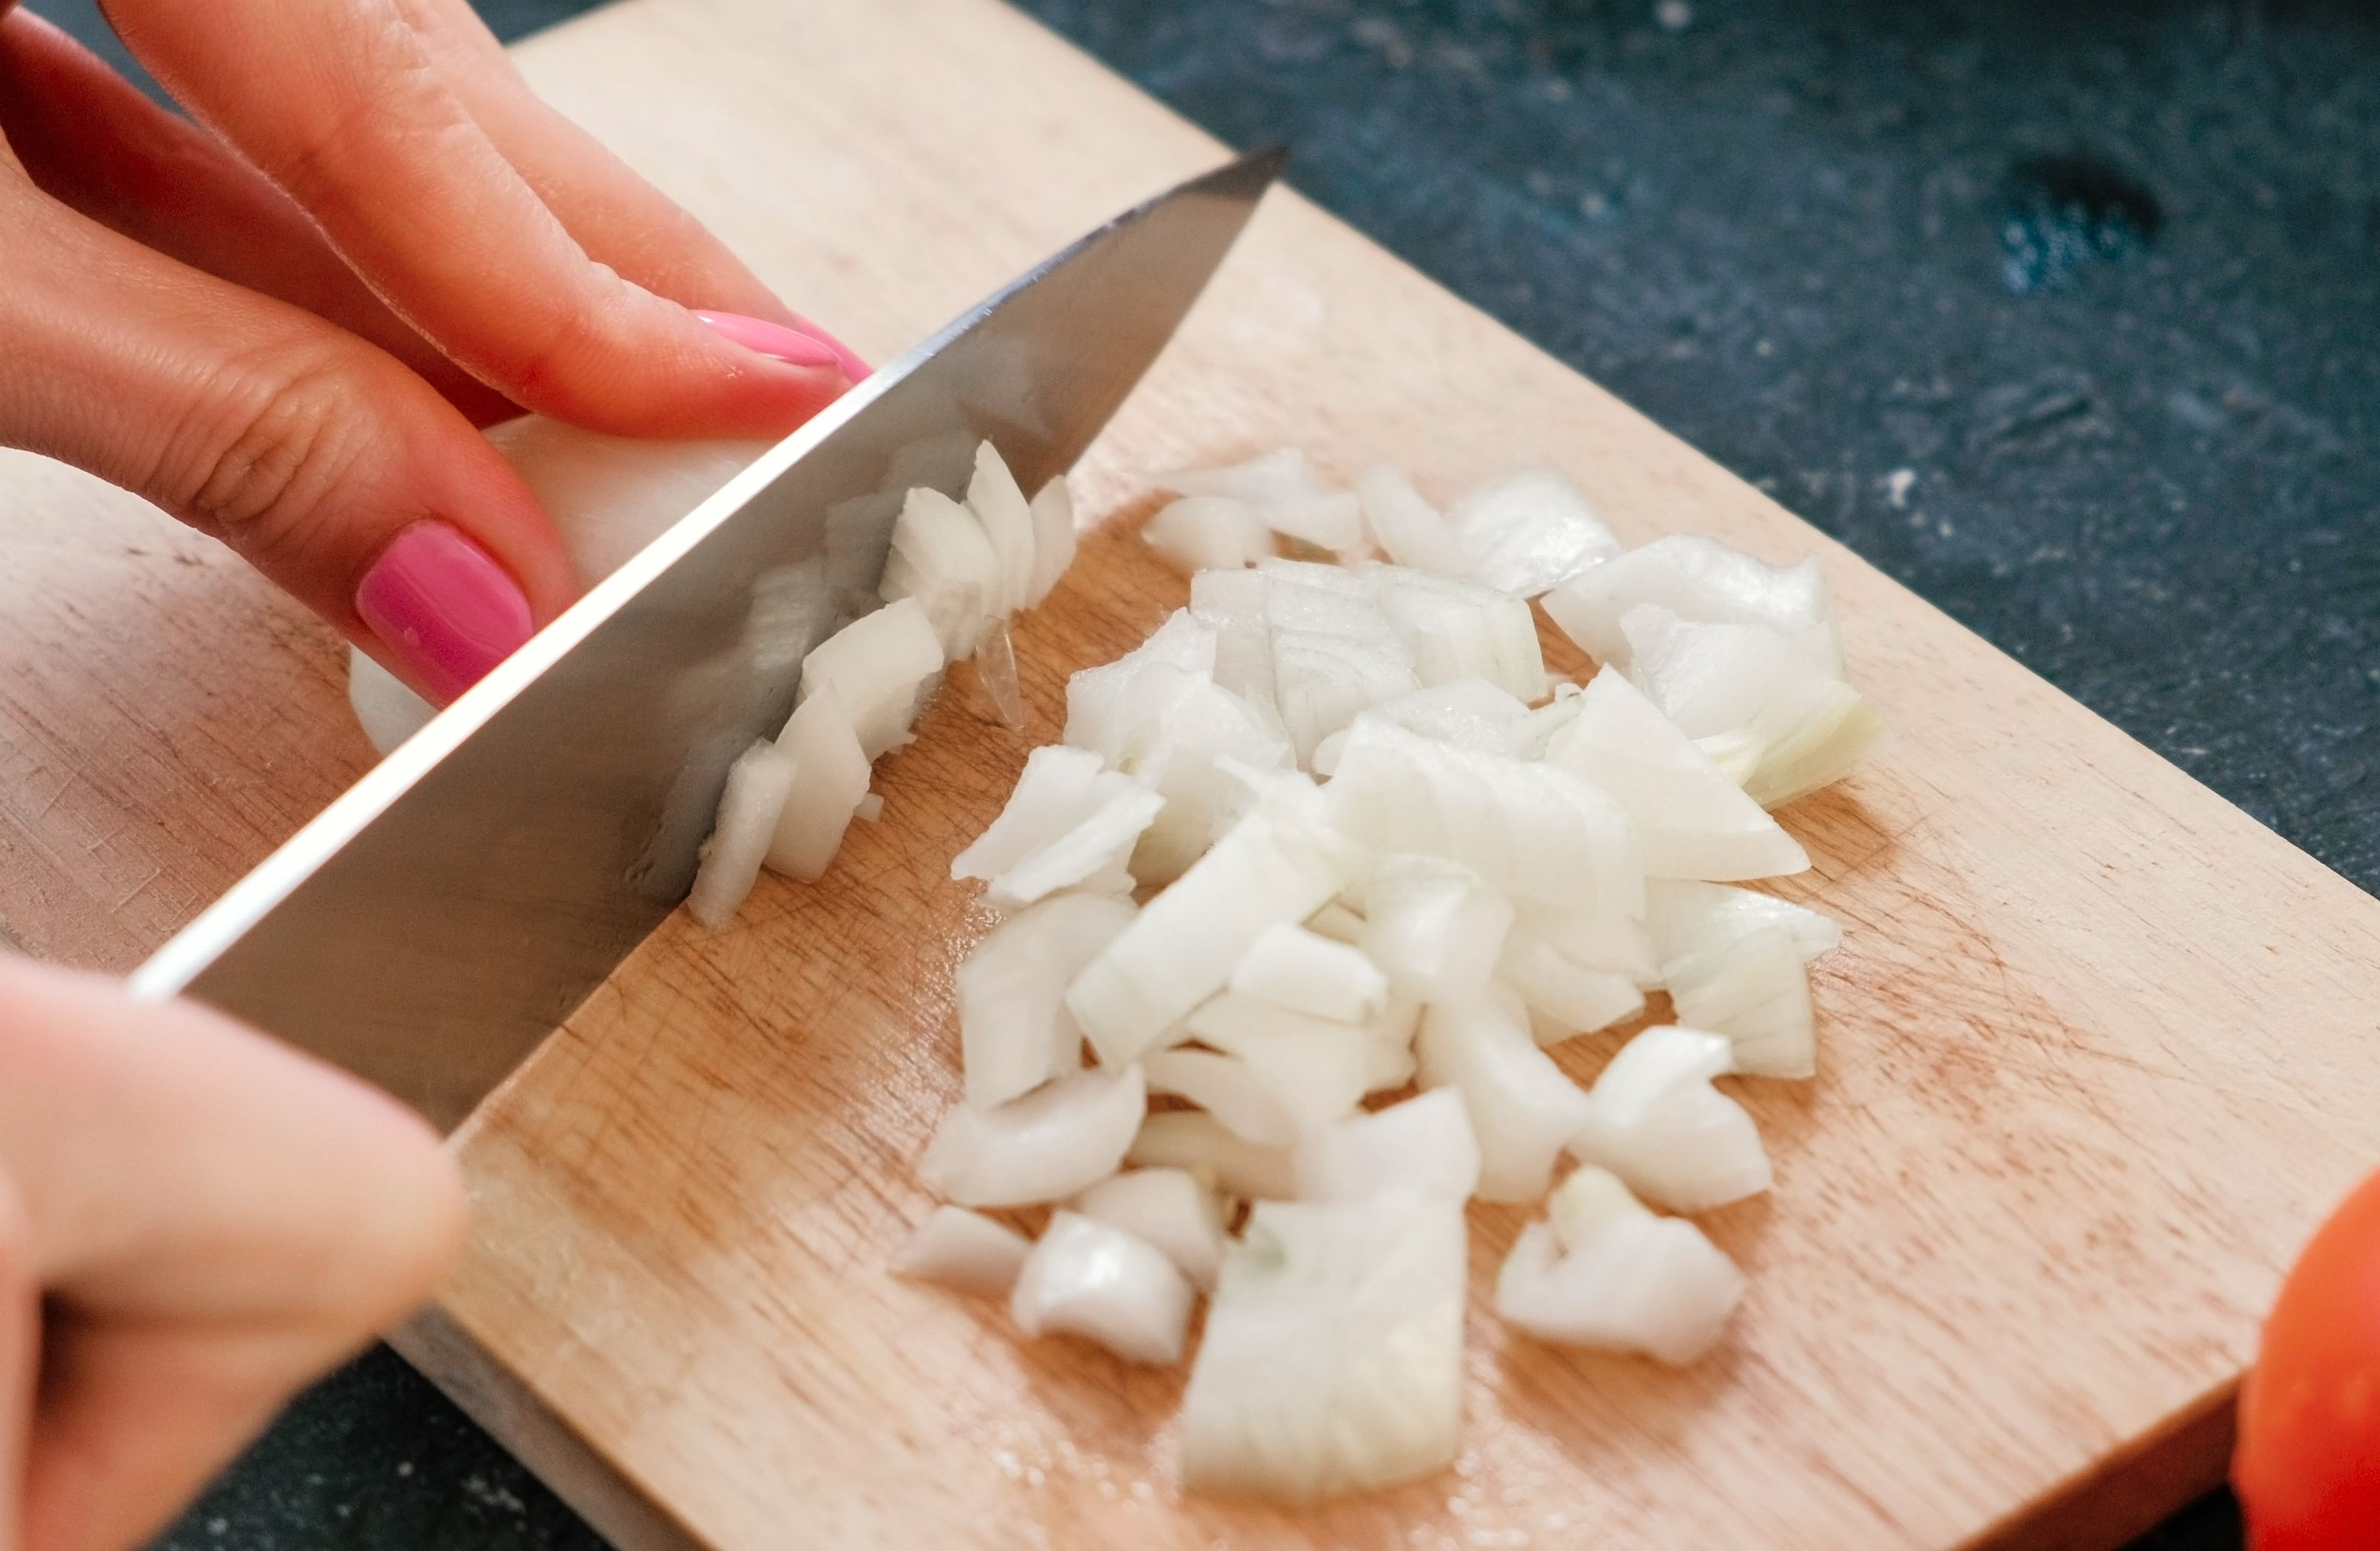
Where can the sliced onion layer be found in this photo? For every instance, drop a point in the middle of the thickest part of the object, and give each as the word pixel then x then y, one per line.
pixel 1654 1120
pixel 1523 1108
pixel 1424 1145
pixel 830 773
pixel 1529 532
pixel 757 784
pixel 1170 1208
pixel 1294 968
pixel 1434 927
pixel 1092 1279
pixel 1632 1282
pixel 1014 1031
pixel 1211 1151
pixel 1060 1138
pixel 962 1250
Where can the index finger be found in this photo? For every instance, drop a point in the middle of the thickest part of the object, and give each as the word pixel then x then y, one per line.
pixel 356 122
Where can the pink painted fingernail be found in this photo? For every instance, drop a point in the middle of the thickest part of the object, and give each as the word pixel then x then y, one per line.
pixel 853 367
pixel 443 604
pixel 773 339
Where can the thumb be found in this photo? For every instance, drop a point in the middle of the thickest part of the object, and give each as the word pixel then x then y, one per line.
pixel 323 462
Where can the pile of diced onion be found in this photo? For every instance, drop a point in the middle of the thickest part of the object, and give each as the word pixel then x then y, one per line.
pixel 1329 835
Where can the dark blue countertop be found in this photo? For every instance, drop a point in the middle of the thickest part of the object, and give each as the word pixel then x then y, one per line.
pixel 2063 312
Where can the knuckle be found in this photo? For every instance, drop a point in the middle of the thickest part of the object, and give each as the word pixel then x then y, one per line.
pixel 262 459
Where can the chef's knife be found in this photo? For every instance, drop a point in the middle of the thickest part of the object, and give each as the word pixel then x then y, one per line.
pixel 445 915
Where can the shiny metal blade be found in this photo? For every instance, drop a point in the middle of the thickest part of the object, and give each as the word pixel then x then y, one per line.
pixel 440 919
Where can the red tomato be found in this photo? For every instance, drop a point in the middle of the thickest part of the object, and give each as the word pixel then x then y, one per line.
pixel 2308 1465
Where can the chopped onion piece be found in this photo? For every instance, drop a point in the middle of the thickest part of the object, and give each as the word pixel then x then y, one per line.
pixel 757 784
pixel 1433 926
pixel 1456 628
pixel 1291 967
pixel 1059 789
pixel 1332 1360
pixel 871 808
pixel 1314 1068
pixel 1408 527
pixel 1092 1279
pixel 1755 991
pixel 1529 532
pixel 1830 732
pixel 387 711
pixel 1564 998
pixel 1224 1087
pixel 941 557
pixel 1209 532
pixel 1058 1140
pixel 1533 734
pixel 1108 708
pixel 1691 917
pixel 1331 521
pixel 1179 755
pixel 1523 1109
pixel 1424 1145
pixel 1654 1120
pixel 1693 821
pixel 1014 1031
pixel 1000 506
pixel 1093 853
pixel 1635 1283
pixel 1231 603
pixel 1208 1149
pixel 1467 713
pixel 995 675
pixel 1273 479
pixel 1323 682
pixel 1053 536
pixel 1694 578
pixel 1338 924
pixel 1279 863
pixel 1531 832
pixel 878 664
pixel 1166 1207
pixel 609 496
pixel 1599 940
pixel 830 783
pixel 964 1249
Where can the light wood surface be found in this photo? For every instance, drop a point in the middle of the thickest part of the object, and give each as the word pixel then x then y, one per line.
pixel 2097 1050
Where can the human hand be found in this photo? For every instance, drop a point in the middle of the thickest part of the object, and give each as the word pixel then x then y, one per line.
pixel 194 1221
pixel 282 330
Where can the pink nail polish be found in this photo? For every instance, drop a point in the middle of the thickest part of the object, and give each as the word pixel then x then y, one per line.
pixel 443 604
pixel 806 345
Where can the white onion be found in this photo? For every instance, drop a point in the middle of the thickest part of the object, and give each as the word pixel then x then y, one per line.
pixel 1457 629
pixel 1270 479
pixel 1333 1360
pixel 1830 732
pixel 1529 532
pixel 1224 1087
pixel 1755 991
pixel 1053 536
pixel 1179 755
pixel 995 676
pixel 1654 1120
pixel 757 784
pixel 1208 1149
pixel 1092 854
pixel 964 1249
pixel 1635 1282
pixel 387 711
pixel 1332 520
pixel 1408 527
pixel 1599 940
pixel 1424 1145
pixel 1323 682
pixel 1166 1207
pixel 1564 998
pixel 1467 713
pixel 1291 967
pixel 1694 578
pixel 1007 520
pixel 877 664
pixel 1232 605
pixel 830 782
pixel 1278 863
pixel 1433 926
pixel 1693 820
pixel 871 808
pixel 1531 832
pixel 1313 1069
pixel 1108 708
pixel 610 496
pixel 1530 737
pixel 941 557
pixel 1058 788
pixel 1014 1031
pixel 1209 532
pixel 1523 1109
pixel 1057 1140
pixel 1686 918
pixel 1092 1279
pixel 1338 924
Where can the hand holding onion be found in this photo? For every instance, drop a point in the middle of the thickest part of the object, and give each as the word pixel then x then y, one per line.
pixel 283 327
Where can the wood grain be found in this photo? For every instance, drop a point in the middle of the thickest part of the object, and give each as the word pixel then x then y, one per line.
pixel 2098 1049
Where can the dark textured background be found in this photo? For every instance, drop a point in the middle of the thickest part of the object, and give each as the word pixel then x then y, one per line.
pixel 2063 312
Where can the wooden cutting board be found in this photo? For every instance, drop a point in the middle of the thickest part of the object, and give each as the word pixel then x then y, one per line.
pixel 2098 1050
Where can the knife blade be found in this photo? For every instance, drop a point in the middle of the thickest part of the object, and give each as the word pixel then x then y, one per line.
pixel 446 913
